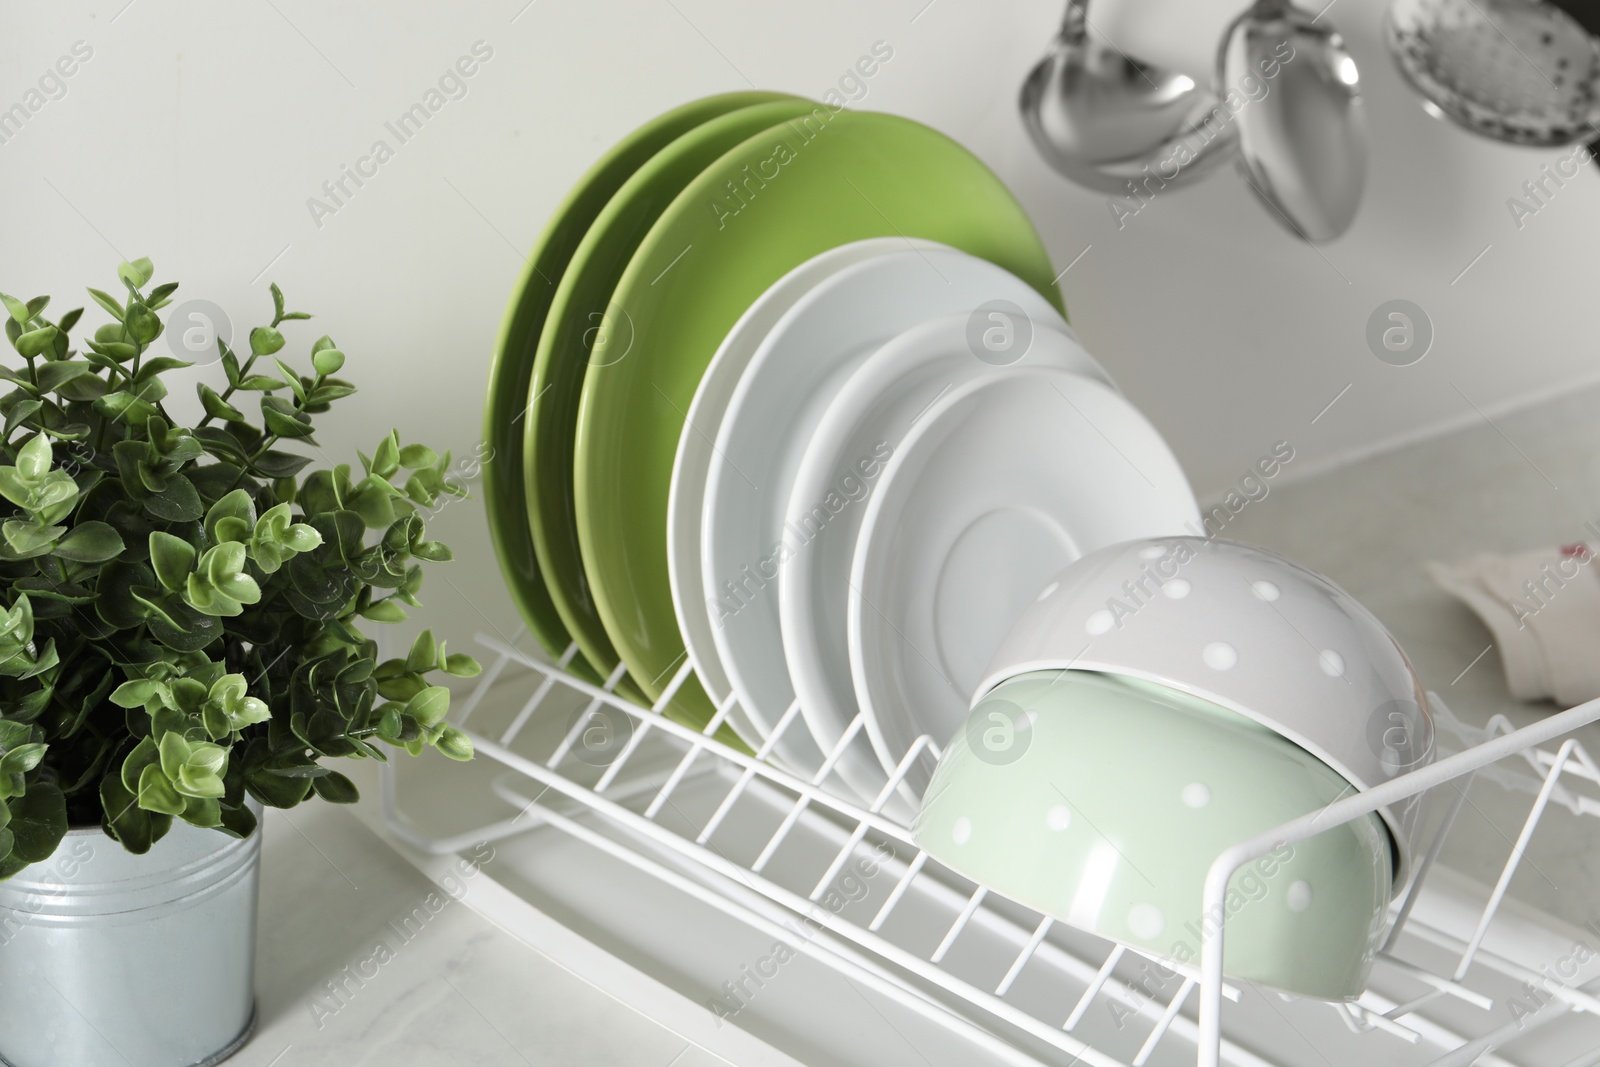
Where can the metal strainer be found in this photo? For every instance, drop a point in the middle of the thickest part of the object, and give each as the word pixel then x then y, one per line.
pixel 1523 71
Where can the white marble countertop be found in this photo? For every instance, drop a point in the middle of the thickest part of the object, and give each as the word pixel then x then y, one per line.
pixel 447 987
pixel 461 990
pixel 1522 481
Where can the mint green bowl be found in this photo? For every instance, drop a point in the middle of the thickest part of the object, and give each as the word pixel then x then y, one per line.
pixel 1102 801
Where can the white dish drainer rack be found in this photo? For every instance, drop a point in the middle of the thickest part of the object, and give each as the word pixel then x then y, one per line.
pixel 576 757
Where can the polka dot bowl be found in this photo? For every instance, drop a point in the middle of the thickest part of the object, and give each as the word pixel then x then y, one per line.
pixel 1103 801
pixel 1251 631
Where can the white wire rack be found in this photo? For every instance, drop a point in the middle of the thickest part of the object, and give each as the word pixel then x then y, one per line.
pixel 847 885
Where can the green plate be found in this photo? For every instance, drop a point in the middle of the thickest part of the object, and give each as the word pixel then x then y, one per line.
pixel 512 368
pixel 578 317
pixel 772 203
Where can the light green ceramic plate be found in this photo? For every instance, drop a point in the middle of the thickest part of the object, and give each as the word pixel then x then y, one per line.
pixel 578 318
pixel 1103 801
pixel 783 196
pixel 512 368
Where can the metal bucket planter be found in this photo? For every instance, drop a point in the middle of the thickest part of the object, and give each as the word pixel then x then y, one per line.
pixel 136 961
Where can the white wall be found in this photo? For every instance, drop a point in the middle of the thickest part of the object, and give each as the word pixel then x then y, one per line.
pixel 199 129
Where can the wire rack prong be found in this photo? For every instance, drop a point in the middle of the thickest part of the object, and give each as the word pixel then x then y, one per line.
pixel 820 830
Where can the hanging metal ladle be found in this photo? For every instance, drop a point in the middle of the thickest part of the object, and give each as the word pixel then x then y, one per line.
pixel 1103 119
pixel 1109 122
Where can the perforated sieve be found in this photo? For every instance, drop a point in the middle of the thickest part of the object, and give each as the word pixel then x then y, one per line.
pixel 1523 71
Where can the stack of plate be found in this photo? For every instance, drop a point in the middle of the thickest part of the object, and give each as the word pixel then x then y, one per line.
pixel 787 393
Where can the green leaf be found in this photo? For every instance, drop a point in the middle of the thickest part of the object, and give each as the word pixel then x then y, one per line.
pixel 386 460
pixel 137 273
pixel 385 610
pixel 116 351
pixel 430 706
pixel 38 822
pixel 123 406
pixel 143 324
pixel 291 379
pixel 33 458
pixel 424 654
pixel 24 409
pixel 138 693
pixel 123 820
pixel 106 301
pixel 144 754
pixel 238 821
pixel 204 812
pixel 177 503
pixel 156 792
pixel 454 744
pixel 13 488
pixel 230 364
pixel 90 542
pixel 276 791
pixel 160 365
pixel 275 464
pixel 335 788
pixel 432 551
pixel 161 295
pixel 264 341
pixel 282 422
pixel 29 539
pixel 277 301
pixel 19 311
pixel 217 407
pixel 172 558
pixel 237 505
pixel 417 457
pixel 52 376
pixel 34 342
pixel 327 361
pixel 22 759
pixel 327 393
pixel 461 665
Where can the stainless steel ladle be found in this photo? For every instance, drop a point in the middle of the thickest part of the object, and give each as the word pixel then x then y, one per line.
pixel 1104 119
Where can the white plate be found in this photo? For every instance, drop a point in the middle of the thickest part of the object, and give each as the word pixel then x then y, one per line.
pixel 860 430
pixel 692 464
pixel 1000 485
pixel 779 400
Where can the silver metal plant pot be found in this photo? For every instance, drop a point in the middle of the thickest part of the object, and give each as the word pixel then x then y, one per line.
pixel 107 958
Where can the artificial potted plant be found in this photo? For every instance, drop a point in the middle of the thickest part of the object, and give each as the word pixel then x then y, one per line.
pixel 182 641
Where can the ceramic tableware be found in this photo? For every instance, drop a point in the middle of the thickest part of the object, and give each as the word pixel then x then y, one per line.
pixel 1249 630
pixel 767 426
pixel 696 453
pixel 1001 484
pixel 779 199
pixel 509 373
pixel 1103 801
pixel 580 313
pixel 861 428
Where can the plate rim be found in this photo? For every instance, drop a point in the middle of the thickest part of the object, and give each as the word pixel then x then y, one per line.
pixel 506 382
pixel 865 389
pixel 872 521
pixel 862 287
pixel 547 526
pixel 695 444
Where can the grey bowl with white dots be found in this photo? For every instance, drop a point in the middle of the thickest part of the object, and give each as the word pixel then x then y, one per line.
pixel 1247 629
pixel 1115 809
